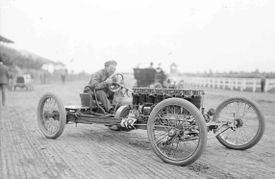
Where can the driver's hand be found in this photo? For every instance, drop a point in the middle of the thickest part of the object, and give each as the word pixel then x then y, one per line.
pixel 109 81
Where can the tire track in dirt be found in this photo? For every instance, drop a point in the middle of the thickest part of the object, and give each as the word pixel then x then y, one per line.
pixel 136 153
pixel 131 155
pixel 53 148
pixel 116 146
pixel 35 159
pixel 199 167
pixel 10 144
pixel 124 151
pixel 32 156
pixel 241 163
pixel 26 150
pixel 20 155
pixel 49 156
pixel 104 159
pixel 53 159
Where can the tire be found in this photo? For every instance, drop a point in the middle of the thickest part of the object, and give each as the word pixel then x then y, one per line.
pixel 122 111
pixel 240 122
pixel 50 119
pixel 178 131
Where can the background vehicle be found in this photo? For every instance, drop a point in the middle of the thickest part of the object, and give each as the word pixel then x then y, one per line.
pixel 23 81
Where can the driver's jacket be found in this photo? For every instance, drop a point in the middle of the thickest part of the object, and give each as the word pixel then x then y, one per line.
pixel 97 80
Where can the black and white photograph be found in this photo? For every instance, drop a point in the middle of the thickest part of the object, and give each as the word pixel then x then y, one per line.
pixel 137 89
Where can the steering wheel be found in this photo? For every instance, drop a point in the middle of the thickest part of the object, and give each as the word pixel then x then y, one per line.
pixel 87 89
pixel 118 82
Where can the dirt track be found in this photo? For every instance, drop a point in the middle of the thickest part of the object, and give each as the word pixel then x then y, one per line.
pixel 93 151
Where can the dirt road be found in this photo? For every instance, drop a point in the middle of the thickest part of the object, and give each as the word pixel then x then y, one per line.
pixel 93 151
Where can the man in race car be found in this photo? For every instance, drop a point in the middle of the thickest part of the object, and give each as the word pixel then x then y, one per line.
pixel 100 81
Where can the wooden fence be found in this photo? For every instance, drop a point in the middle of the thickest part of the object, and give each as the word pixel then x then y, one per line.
pixel 242 84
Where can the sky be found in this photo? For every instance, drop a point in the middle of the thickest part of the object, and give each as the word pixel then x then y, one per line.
pixel 197 35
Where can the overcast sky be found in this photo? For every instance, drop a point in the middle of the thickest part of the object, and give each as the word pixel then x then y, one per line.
pixel 198 35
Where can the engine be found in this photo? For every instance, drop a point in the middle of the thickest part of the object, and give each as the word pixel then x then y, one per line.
pixel 145 98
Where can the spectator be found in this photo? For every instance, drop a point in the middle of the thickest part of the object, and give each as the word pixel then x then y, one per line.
pixel 63 75
pixel 263 83
pixel 151 65
pixel 160 75
pixel 4 80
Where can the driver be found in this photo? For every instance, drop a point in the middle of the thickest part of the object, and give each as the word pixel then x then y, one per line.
pixel 100 81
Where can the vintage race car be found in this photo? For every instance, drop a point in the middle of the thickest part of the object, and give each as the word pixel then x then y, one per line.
pixel 175 119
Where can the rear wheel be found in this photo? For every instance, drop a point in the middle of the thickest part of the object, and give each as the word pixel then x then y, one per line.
pixel 244 123
pixel 51 116
pixel 177 131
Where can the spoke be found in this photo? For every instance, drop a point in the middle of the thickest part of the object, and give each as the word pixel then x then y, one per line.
pixel 245 111
pixel 223 117
pixel 188 149
pixel 169 123
pixel 243 136
pixel 223 130
pixel 238 109
pixel 157 142
pixel 233 137
pixel 171 146
pixel 159 116
pixel 227 133
pixel 246 120
pixel 164 119
pixel 177 144
pixel 160 135
pixel 162 122
pixel 236 137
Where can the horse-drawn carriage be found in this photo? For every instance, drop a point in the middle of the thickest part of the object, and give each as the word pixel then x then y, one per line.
pixel 175 120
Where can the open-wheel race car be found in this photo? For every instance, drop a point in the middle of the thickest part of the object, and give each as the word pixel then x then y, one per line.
pixel 175 119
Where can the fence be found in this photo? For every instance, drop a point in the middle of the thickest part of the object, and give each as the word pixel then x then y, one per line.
pixel 242 84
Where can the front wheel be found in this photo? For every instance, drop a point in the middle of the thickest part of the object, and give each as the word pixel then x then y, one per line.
pixel 177 131
pixel 243 123
pixel 51 116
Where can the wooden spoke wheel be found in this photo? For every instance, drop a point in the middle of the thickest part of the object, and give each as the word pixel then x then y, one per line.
pixel 51 116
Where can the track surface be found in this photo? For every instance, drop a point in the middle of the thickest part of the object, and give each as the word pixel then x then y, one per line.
pixel 93 151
